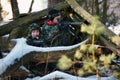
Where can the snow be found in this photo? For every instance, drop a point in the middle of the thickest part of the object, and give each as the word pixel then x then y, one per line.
pixel 100 0
pixel 65 76
pixel 21 49
pixel 6 36
pixel 3 22
pixel 4 54
pixel 115 29
pixel 37 5
pixel 25 69
pixel 36 78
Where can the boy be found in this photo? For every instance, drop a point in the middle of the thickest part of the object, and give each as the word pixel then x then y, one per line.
pixel 35 38
pixel 54 33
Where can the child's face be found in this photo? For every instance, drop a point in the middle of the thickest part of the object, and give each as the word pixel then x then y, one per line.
pixel 35 33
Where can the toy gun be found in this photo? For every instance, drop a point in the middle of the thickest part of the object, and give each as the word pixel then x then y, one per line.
pixel 70 23
pixel 63 24
pixel 66 23
pixel 66 26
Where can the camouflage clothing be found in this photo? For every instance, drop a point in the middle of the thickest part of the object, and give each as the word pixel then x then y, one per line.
pixel 55 35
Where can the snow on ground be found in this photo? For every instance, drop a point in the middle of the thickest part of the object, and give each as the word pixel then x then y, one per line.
pixel 65 76
pixel 21 49
pixel 115 29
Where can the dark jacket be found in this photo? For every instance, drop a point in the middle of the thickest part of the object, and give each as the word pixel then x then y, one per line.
pixel 38 41
pixel 55 34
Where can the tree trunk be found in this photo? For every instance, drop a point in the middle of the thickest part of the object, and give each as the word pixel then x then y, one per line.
pixel 30 9
pixel 104 16
pixel 93 7
pixel 97 7
pixel 52 3
pixel 0 11
pixel 0 53
pixel 15 8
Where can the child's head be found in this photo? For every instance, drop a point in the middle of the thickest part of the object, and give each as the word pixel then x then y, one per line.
pixel 35 30
pixel 54 15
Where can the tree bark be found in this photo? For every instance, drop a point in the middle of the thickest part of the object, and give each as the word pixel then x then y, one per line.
pixel 18 32
pixel 0 11
pixel 39 57
pixel 30 9
pixel 6 29
pixel 111 46
pixel 104 16
pixel 15 8
pixel 52 3
pixel 97 7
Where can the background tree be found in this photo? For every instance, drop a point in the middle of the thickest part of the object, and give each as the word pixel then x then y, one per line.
pixel 52 3
pixel 30 9
pixel 15 8
pixel 102 9
pixel 0 11
pixel 104 14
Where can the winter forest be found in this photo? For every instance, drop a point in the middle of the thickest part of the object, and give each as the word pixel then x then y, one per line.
pixel 85 45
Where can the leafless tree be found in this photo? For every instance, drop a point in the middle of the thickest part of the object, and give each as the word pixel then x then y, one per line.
pixel 15 8
pixel 51 3
pixel 0 11
pixel 30 9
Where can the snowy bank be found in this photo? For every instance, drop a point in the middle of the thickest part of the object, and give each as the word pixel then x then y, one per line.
pixel 21 49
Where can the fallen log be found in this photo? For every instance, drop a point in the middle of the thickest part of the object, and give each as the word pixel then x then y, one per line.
pixel 41 57
pixel 111 46
pixel 23 53
pixel 85 15
pixel 108 34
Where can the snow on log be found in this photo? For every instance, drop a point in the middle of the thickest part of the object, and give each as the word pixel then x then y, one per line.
pixel 21 49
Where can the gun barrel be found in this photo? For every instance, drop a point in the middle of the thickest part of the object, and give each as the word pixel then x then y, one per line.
pixel 72 23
